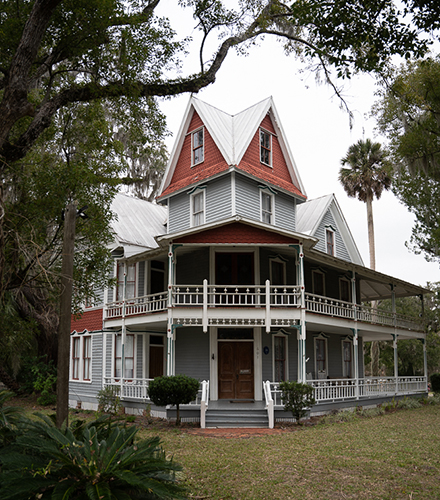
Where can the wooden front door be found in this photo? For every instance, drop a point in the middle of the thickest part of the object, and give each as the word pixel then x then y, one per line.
pixel 235 370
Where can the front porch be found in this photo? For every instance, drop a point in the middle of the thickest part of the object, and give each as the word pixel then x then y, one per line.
pixel 329 394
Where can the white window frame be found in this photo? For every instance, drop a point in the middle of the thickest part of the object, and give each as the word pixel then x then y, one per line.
pixel 281 261
pixel 194 148
pixel 267 192
pixel 344 369
pixel 323 374
pixel 328 231
pixel 114 375
pixel 78 369
pixel 119 291
pixel 269 134
pixel 318 271
pixel 193 195
pixel 286 347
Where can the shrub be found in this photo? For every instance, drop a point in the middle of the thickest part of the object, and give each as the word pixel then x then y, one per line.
pixel 173 390
pixel 86 462
pixel 109 400
pixel 409 403
pixel 297 398
pixel 435 382
pixel 45 378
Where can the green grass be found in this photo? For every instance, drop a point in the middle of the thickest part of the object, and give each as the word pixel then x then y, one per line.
pixel 392 456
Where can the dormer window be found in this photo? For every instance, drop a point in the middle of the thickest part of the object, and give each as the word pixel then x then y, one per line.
pixel 265 147
pixel 198 208
pixel 198 146
pixel 330 241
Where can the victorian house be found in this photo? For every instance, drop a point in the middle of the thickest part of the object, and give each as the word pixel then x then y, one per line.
pixel 235 278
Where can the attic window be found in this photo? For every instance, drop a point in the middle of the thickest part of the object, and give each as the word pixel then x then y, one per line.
pixel 267 206
pixel 198 148
pixel 330 241
pixel 265 147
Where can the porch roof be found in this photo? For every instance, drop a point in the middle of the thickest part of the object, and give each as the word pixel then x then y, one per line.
pixel 374 285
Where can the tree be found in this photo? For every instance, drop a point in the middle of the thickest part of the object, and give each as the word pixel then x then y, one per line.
pixel 369 174
pixel 407 115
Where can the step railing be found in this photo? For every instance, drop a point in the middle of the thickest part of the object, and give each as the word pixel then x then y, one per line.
pixel 269 403
pixel 204 401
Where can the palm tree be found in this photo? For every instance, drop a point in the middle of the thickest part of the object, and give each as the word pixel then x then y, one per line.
pixel 369 173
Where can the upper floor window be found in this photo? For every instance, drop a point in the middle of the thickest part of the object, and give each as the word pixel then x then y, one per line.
pixel 330 241
pixel 267 207
pixel 198 146
pixel 198 208
pixel 130 281
pixel 344 289
pixel 318 282
pixel 128 356
pixel 265 147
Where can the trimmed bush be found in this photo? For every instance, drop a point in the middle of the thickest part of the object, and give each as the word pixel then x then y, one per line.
pixel 435 382
pixel 174 390
pixel 297 398
pixel 87 462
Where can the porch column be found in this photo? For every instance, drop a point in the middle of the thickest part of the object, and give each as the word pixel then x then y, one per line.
pixel 396 362
pixel 124 329
pixel 393 305
pixel 302 330
pixel 170 326
pixel 425 363
pixel 355 335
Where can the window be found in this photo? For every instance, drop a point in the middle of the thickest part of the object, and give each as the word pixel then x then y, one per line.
pixel 81 367
pixel 76 350
pixel 157 276
pixel 198 150
pixel 130 289
pixel 87 357
pixel 265 147
pixel 321 356
pixel 267 207
pixel 330 241
pixel 277 272
pixel 198 208
pixel 344 290
pixel 347 351
pixel 280 358
pixel 129 356
pixel 318 283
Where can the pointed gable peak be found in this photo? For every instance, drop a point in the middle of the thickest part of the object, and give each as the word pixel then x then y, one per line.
pixel 232 135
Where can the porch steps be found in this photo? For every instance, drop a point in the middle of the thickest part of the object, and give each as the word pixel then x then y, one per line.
pixel 229 416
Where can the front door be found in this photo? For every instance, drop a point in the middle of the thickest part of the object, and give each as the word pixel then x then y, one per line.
pixel 235 370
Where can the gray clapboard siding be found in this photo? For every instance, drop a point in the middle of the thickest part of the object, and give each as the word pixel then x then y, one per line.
pixel 285 212
pixel 179 212
pixel 247 198
pixel 218 199
pixel 340 248
pixel 141 278
pixel 192 353
pixel 109 342
pixel 292 356
pixel 139 356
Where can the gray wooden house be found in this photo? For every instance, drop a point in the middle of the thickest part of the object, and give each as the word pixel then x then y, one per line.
pixel 238 280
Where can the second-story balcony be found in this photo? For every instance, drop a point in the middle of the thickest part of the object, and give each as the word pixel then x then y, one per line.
pixel 251 305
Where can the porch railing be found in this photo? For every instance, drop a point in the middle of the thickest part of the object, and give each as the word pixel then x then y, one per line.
pixel 269 403
pixel 248 296
pixel 204 401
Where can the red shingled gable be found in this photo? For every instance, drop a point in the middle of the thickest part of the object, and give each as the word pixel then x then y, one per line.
pixel 278 174
pixel 184 175
pixel 237 232
pixel 89 320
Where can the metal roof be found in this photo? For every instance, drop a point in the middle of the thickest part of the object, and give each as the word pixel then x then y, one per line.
pixel 137 223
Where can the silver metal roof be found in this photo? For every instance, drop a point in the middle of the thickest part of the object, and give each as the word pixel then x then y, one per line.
pixel 137 223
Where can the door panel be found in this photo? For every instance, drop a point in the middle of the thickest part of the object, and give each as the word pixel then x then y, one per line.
pixel 236 370
pixel 156 361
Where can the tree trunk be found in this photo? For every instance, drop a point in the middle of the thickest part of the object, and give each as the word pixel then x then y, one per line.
pixel 65 316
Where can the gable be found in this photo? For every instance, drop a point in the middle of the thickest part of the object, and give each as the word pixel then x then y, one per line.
pixel 237 233
pixel 184 174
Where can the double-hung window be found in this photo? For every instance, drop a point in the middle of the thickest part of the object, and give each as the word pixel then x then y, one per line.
pixel 128 356
pixel 347 358
pixel 280 358
pixel 87 357
pixel 267 206
pixel 321 357
pixel 330 241
pixel 81 358
pixel 198 146
pixel 130 280
pixel 198 208
pixel 265 147
pixel 76 357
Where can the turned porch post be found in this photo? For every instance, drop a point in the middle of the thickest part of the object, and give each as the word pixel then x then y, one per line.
pixel 170 326
pixel 302 330
pixel 355 335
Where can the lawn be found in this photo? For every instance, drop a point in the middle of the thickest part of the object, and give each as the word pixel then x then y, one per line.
pixel 390 456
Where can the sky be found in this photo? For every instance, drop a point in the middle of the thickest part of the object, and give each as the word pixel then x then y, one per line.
pixel 319 135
